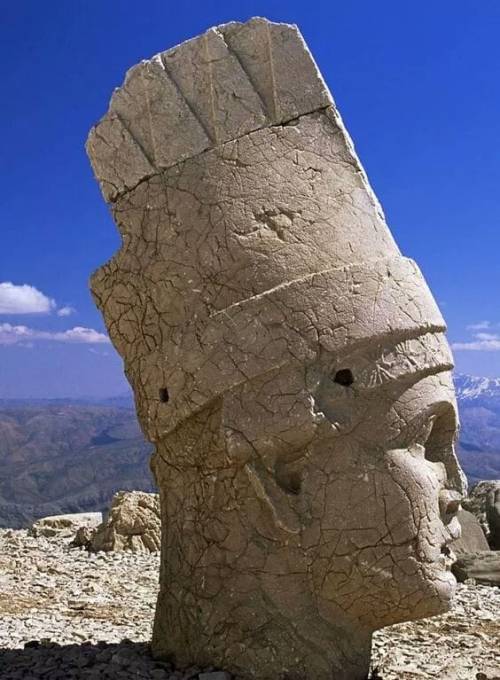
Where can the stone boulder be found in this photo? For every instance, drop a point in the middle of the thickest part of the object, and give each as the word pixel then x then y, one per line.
pixel 484 502
pixel 65 526
pixel 82 537
pixel 483 567
pixel 472 537
pixel 133 523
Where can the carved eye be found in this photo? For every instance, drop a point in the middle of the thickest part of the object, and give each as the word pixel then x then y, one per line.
pixel 425 431
pixel 436 435
pixel 163 395
pixel 441 435
pixel 344 377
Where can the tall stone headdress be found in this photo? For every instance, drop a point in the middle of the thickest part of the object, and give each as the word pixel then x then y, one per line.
pixel 252 242
pixel 246 216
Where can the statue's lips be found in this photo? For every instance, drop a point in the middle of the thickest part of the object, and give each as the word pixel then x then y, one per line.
pixel 447 558
pixel 442 558
pixel 337 310
pixel 440 570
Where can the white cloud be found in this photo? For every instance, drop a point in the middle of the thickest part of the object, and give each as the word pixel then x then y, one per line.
pixel 99 353
pixel 483 342
pixel 23 299
pixel 81 334
pixel 486 336
pixel 478 346
pixel 66 311
pixel 480 326
pixel 12 335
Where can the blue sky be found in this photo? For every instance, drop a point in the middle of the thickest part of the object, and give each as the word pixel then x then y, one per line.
pixel 416 83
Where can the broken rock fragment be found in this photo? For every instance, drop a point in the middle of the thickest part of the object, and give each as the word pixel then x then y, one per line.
pixel 481 566
pixel 484 502
pixel 472 538
pixel 65 526
pixel 133 523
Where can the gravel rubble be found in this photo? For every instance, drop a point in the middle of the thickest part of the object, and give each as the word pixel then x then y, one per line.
pixel 66 613
pixel 458 645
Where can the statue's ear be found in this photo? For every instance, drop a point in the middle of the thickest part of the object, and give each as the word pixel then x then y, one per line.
pixel 277 500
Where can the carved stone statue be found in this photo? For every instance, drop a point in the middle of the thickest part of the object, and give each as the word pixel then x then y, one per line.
pixel 288 364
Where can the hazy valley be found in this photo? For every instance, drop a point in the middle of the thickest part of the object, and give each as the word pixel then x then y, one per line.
pixel 59 457
pixel 65 456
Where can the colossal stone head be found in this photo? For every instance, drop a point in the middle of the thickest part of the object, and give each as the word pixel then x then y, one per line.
pixel 288 364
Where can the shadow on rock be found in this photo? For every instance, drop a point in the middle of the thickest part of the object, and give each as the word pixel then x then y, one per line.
pixel 125 660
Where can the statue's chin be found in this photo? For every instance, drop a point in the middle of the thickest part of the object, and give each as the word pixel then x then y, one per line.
pixel 440 588
pixel 436 588
pixel 445 585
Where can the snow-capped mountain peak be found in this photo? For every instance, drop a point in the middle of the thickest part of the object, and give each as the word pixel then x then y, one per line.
pixel 469 387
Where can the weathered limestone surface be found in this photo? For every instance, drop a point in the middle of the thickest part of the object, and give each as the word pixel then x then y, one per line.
pixel 65 525
pixel 482 566
pixel 234 79
pixel 133 523
pixel 472 538
pixel 288 363
pixel 484 502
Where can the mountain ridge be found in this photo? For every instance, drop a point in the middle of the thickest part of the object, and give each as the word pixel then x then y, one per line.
pixel 72 455
pixel 479 440
pixel 59 457
pixel 469 387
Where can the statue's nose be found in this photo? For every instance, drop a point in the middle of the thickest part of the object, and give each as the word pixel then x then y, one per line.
pixel 449 505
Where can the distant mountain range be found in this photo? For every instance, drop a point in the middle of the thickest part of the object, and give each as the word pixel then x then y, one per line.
pixel 479 443
pixel 60 456
pixel 470 387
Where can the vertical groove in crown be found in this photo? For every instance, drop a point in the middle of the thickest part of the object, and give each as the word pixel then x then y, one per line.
pixel 245 66
pixel 251 42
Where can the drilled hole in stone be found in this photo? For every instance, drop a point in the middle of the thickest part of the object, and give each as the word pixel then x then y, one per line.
pixel 289 480
pixel 163 395
pixel 344 377
pixel 293 483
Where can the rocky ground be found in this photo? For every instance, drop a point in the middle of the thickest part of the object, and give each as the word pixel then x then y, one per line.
pixel 463 644
pixel 66 614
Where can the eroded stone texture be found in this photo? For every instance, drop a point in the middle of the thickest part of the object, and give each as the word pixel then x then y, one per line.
pixel 288 363
pixel 482 566
pixel 65 525
pixel 133 523
pixel 484 502
pixel 472 538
